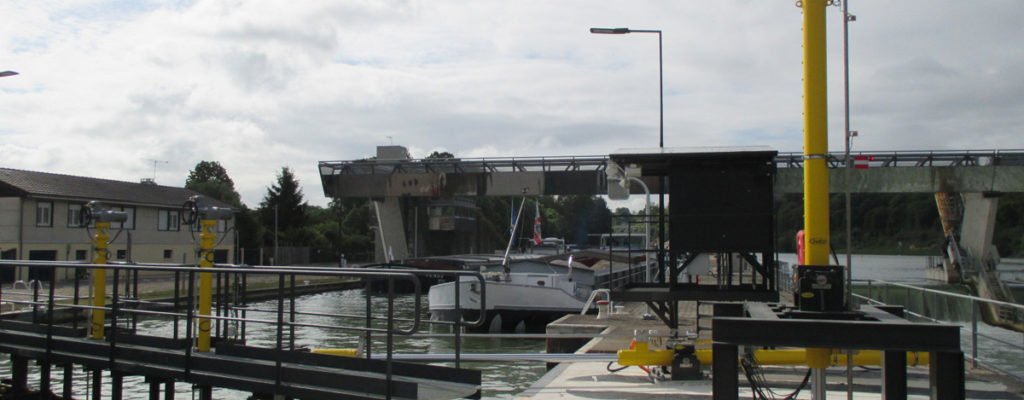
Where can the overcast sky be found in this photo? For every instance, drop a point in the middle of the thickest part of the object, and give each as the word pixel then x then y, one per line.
pixel 106 87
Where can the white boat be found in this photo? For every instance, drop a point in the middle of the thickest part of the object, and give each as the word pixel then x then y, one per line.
pixel 535 292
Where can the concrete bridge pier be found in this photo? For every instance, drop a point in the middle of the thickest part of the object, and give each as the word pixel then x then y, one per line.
pixel 978 225
pixel 390 236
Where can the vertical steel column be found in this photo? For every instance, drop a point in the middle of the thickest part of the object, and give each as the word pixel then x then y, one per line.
pixel 97 384
pixel 154 388
pixel 19 374
pixel 894 374
pixel 816 186
pixel 99 281
pixel 206 243
pixel 974 334
pixel 725 371
pixel 116 385
pixel 946 375
pixel 69 379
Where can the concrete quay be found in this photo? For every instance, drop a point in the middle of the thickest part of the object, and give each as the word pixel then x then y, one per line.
pixel 593 380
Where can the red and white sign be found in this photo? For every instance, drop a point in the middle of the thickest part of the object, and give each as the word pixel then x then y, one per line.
pixel 860 162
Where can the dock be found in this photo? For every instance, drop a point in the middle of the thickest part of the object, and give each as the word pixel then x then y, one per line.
pixel 593 380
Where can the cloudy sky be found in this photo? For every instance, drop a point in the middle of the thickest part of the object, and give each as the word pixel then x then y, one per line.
pixel 106 87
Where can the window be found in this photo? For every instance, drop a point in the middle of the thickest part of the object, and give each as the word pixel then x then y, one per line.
pixel 44 213
pixel 168 220
pixel 122 254
pixel 74 215
pixel 80 254
pixel 168 254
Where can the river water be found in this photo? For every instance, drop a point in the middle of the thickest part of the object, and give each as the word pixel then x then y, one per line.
pixel 500 380
pixel 505 379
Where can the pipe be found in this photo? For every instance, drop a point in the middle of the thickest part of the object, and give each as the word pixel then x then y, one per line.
pixel 799 357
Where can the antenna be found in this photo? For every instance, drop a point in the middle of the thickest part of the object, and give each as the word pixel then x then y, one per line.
pixel 155 162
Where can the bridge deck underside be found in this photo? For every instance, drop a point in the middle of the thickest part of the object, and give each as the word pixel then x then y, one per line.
pixel 892 172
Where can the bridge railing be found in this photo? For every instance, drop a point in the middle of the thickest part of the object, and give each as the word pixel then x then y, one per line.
pixel 929 158
pixel 464 165
pixel 994 347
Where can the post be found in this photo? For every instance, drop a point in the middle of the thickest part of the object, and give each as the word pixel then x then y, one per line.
pixel 99 281
pixel 206 243
pixel 816 186
pixel 974 334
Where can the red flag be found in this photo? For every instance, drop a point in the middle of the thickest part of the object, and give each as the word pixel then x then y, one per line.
pixel 536 226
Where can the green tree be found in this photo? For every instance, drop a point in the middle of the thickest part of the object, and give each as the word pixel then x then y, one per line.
pixel 285 196
pixel 211 179
pixel 440 155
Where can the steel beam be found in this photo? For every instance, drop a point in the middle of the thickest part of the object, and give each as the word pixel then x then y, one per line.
pixel 838 334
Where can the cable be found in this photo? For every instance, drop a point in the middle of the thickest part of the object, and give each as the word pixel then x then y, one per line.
pixel 614 370
pixel 759 383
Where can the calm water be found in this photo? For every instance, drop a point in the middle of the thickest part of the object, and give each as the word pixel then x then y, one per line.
pixel 500 380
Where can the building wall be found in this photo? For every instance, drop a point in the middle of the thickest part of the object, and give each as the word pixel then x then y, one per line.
pixel 9 207
pixel 148 244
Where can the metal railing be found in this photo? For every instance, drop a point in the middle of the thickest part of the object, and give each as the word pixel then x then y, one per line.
pixel 880 291
pixel 230 303
pixel 914 158
pixel 907 158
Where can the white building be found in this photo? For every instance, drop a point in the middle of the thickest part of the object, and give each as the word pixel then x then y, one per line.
pixel 39 220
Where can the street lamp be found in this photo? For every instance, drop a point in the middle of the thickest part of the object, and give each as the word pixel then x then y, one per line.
pixel 7 73
pixel 661 86
pixel 661 138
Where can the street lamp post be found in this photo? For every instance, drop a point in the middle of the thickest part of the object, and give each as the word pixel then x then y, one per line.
pixel 661 86
pixel 661 142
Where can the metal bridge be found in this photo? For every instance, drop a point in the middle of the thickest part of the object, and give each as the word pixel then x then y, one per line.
pixel 887 172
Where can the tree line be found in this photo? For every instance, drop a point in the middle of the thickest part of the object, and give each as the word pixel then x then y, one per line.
pixel 905 223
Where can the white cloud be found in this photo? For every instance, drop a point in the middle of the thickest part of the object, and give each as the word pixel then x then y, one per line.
pixel 106 86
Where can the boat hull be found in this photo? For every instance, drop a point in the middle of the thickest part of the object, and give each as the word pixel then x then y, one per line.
pixel 509 307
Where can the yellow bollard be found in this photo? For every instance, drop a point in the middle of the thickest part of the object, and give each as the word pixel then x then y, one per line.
pixel 207 239
pixel 99 282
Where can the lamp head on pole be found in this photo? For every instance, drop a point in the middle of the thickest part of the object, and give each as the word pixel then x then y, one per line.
pixel 7 73
pixel 610 31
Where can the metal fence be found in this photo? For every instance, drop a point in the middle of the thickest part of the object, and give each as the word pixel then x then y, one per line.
pixel 232 313
pixel 992 347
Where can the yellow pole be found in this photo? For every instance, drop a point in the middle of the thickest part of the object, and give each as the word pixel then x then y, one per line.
pixel 816 190
pixel 206 244
pixel 99 281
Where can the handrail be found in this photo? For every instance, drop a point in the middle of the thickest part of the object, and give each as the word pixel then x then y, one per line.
pixel 939 292
pixel 975 360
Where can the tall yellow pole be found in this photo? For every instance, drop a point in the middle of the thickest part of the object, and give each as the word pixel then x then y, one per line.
pixel 99 281
pixel 816 230
pixel 206 244
pixel 816 190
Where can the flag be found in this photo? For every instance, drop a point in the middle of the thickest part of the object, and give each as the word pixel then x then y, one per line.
pixel 536 225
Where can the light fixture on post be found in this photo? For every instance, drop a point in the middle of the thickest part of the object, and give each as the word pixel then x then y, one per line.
pixel 7 73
